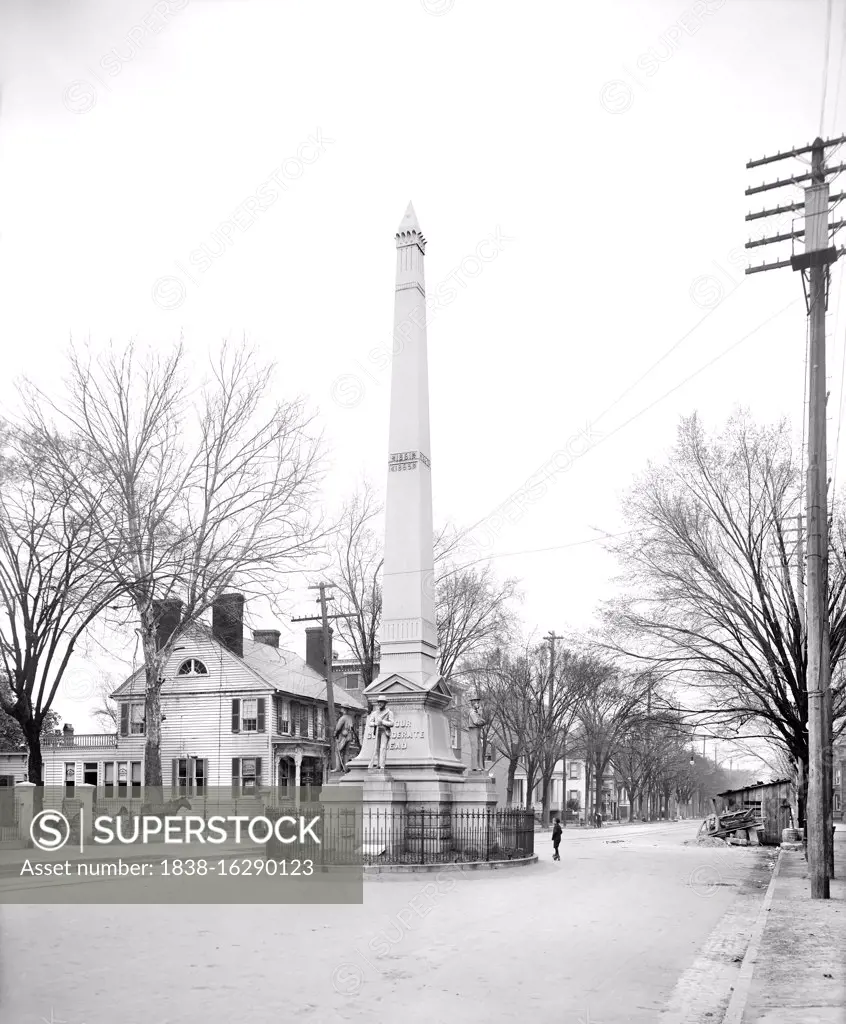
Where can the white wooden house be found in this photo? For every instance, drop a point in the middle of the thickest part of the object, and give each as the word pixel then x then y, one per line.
pixel 235 712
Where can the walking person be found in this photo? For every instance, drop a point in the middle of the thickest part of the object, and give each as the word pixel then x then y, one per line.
pixel 556 839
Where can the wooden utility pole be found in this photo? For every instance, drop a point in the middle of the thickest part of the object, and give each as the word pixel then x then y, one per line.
pixel 323 619
pixel 814 264
pixel 551 638
pixel 801 781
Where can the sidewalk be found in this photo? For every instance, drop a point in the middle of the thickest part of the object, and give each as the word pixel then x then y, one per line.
pixel 796 972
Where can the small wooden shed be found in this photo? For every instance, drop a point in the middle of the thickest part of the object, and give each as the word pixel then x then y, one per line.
pixel 771 801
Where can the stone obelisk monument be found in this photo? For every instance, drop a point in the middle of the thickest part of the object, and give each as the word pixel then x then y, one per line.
pixel 420 768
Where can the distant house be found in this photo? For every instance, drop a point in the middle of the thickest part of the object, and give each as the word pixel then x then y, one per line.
pixel 235 712
pixel 615 802
pixel 348 673
pixel 839 780
pixel 13 765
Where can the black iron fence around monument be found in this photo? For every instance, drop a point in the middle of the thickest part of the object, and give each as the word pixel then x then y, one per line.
pixel 366 836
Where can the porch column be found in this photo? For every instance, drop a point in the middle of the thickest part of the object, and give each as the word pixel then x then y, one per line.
pixel 298 762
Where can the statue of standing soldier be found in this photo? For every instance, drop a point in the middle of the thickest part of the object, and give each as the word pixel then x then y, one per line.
pixel 476 724
pixel 380 722
pixel 345 736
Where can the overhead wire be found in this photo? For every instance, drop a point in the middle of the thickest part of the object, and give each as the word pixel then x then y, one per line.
pixel 616 430
pixel 696 373
pixel 524 551
pixel 829 8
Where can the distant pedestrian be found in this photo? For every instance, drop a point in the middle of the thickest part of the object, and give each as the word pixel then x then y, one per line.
pixel 598 820
pixel 556 839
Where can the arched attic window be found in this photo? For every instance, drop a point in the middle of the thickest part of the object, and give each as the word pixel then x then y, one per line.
pixel 192 667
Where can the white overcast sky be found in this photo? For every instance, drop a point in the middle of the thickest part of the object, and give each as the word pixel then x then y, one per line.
pixel 605 141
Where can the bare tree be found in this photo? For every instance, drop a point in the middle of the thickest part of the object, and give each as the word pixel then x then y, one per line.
pixel 609 703
pixel 357 565
pixel 473 613
pixel 473 606
pixel 632 760
pixel 106 710
pixel 205 488
pixel 54 580
pixel 555 707
pixel 505 683
pixel 712 595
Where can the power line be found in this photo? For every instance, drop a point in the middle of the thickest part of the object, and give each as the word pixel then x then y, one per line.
pixel 830 5
pixel 642 377
pixel 695 373
pixel 840 68
pixel 526 551
pixel 647 408
pixel 657 362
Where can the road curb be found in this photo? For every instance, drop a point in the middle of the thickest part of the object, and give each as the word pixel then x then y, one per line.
pixel 740 995
pixel 470 865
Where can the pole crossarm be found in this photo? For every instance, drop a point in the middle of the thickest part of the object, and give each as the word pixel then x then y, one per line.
pixel 795 180
pixel 754 243
pixel 792 152
pixel 791 207
pixel 797 262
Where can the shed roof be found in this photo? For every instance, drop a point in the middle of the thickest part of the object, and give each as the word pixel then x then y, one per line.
pixel 756 785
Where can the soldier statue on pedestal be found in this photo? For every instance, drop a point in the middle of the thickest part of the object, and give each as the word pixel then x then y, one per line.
pixel 380 722
pixel 345 736
pixel 476 725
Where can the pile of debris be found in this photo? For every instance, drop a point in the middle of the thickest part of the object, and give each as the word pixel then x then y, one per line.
pixel 710 841
pixel 737 828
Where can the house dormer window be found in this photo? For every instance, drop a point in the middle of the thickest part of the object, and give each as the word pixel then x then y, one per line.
pixel 192 667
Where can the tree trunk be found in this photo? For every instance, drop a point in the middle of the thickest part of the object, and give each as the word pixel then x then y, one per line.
pixel 598 794
pixel 588 792
pixel 152 713
pixel 509 782
pixel 634 797
pixel 35 770
pixel 531 776
pixel 828 784
pixel 545 799
pixel 803 765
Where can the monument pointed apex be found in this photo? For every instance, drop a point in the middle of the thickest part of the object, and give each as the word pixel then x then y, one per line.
pixel 409 221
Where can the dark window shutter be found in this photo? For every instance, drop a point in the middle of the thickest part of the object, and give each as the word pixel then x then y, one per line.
pixel 174 774
pixel 236 715
pixel 124 719
pixel 261 714
pixel 258 768
pixel 236 775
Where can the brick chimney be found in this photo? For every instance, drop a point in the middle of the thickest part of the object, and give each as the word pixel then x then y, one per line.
pixel 314 648
pixel 228 622
pixel 168 615
pixel 267 636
